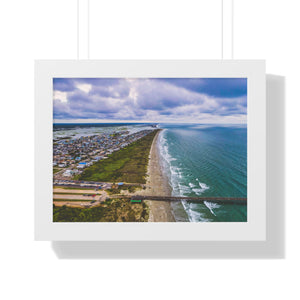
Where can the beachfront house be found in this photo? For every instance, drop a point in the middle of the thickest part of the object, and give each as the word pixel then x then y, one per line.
pixel 81 165
pixel 68 173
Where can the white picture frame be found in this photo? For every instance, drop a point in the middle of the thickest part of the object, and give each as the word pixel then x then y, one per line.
pixel 252 230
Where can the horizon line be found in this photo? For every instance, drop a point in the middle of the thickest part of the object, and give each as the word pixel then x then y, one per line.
pixel 199 123
pixel 139 122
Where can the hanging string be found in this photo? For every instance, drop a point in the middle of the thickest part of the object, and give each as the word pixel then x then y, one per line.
pixel 227 16
pixel 222 31
pixel 88 29
pixel 77 29
pixel 232 28
pixel 85 20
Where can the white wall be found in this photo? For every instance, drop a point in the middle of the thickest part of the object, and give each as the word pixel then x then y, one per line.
pixel 135 29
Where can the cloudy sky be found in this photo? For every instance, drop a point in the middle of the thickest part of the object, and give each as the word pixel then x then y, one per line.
pixel 180 100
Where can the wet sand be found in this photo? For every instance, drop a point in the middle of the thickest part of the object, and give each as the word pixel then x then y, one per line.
pixel 157 184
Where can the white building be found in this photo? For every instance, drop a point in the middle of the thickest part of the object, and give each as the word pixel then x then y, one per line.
pixel 68 173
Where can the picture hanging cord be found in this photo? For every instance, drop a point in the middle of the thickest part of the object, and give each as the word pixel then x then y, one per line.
pixel 232 28
pixel 79 20
pixel 227 16
pixel 88 29
pixel 222 29
pixel 78 29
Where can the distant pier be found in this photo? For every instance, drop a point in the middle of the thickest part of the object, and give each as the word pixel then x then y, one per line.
pixel 219 200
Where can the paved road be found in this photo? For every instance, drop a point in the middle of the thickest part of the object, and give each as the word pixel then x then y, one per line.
pixel 90 184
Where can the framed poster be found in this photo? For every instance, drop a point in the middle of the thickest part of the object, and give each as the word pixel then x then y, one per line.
pixel 150 150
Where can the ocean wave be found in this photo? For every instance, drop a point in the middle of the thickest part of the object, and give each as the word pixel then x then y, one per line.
pixel 199 191
pixel 176 176
pixel 193 212
pixel 203 186
pixel 211 206
pixel 174 173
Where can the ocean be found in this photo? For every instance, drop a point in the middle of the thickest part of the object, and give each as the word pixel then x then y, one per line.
pixel 206 160
pixel 198 160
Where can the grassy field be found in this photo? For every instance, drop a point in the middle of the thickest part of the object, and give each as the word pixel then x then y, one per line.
pixel 130 189
pixel 55 170
pixel 128 164
pixel 115 210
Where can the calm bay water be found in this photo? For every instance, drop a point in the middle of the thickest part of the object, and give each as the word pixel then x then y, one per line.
pixel 206 160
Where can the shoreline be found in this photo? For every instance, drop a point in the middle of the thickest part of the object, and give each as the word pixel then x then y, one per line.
pixel 157 184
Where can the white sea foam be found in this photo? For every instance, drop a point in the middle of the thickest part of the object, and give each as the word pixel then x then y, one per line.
pixel 166 159
pixel 211 206
pixel 175 175
pixel 203 188
pixel 183 190
pixel 193 213
pixel 197 191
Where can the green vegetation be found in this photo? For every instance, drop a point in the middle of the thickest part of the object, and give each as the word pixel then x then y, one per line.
pixel 55 170
pixel 132 189
pixel 129 188
pixel 73 188
pixel 128 164
pixel 115 210
pixel 113 191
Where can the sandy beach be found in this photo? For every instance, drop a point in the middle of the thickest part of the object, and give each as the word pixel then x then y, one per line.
pixel 157 184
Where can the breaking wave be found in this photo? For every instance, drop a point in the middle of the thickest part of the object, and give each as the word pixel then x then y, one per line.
pixel 176 176
pixel 211 206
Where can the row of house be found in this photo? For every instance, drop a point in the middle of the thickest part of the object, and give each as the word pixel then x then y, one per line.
pixel 73 155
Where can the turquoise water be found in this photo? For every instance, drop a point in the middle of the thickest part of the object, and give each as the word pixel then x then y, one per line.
pixel 206 160
pixel 199 160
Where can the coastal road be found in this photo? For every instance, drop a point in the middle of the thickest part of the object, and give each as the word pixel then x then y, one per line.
pixel 78 198
pixel 91 184
pixel 66 196
pixel 74 191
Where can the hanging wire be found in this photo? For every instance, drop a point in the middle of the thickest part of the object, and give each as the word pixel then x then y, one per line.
pixel 88 28
pixel 77 29
pixel 222 32
pixel 232 28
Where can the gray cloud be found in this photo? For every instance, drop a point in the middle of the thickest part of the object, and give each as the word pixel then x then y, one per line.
pixel 147 99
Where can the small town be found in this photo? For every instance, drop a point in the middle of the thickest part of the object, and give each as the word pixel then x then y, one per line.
pixel 72 156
